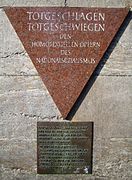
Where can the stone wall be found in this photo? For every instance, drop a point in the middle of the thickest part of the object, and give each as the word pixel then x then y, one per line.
pixel 24 100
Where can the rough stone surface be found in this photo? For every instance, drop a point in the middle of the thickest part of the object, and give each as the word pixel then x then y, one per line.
pixel 100 3
pixel 32 3
pixel 24 100
pixel 108 105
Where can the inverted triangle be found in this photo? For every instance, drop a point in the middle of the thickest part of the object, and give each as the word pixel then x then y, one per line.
pixel 65 45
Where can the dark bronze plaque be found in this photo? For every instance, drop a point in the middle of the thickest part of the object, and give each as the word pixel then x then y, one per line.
pixel 64 147
pixel 66 45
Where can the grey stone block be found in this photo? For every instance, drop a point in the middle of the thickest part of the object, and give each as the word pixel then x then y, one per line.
pixel 100 3
pixel 108 104
pixel 112 158
pixel 32 3
pixel 18 154
pixel 33 103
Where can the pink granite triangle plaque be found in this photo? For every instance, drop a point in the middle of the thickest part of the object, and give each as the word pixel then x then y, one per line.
pixel 65 45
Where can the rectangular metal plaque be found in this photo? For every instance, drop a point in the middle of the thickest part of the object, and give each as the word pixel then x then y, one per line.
pixel 64 147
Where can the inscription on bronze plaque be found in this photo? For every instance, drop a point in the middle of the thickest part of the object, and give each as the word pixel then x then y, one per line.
pixel 64 147
pixel 65 45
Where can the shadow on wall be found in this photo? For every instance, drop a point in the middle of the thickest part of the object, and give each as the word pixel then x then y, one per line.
pixel 100 66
